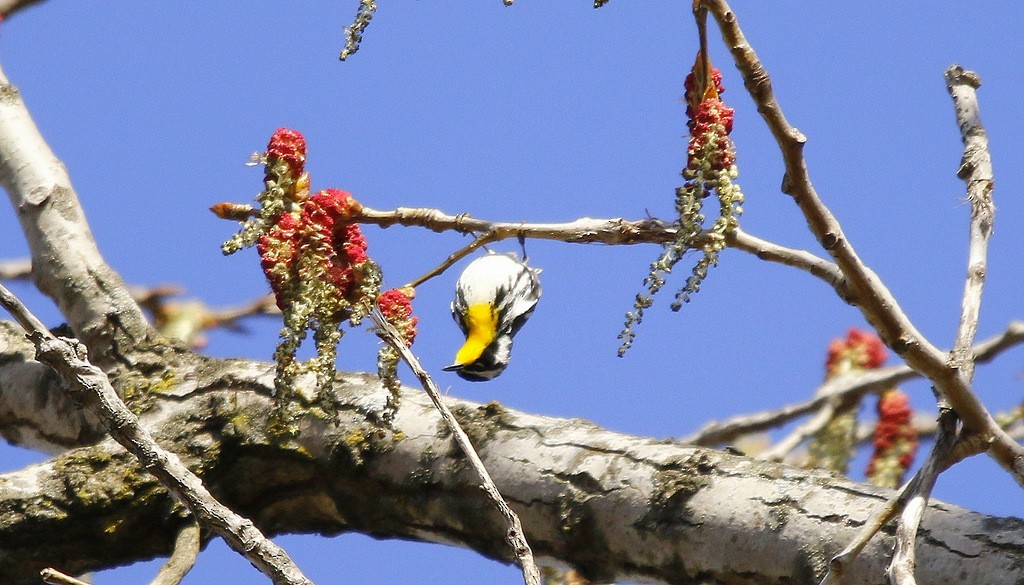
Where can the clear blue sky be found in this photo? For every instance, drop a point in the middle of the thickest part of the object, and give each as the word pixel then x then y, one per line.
pixel 544 111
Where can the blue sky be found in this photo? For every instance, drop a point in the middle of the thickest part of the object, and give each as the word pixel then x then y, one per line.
pixel 541 112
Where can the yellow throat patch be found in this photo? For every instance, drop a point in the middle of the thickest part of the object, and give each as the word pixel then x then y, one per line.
pixel 482 326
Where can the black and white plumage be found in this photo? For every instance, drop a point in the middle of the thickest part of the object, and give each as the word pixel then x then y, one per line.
pixel 494 297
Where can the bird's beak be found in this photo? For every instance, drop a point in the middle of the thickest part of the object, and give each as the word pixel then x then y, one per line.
pixel 453 368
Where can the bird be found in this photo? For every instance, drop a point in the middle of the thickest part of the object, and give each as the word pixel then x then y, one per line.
pixel 494 296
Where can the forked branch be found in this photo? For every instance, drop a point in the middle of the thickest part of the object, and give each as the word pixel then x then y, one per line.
pixel 874 299
pixel 849 386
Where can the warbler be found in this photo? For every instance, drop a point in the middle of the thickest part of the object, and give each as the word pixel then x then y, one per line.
pixel 494 297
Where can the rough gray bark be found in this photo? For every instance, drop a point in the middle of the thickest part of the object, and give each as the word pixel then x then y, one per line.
pixel 617 507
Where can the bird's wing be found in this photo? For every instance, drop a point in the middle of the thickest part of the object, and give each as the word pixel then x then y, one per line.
pixel 519 299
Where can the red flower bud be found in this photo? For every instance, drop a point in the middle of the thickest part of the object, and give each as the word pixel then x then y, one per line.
pixel 396 306
pixel 861 350
pixel 289 146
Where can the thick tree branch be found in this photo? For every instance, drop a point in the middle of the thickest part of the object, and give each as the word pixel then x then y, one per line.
pixel 616 507
pixel 874 299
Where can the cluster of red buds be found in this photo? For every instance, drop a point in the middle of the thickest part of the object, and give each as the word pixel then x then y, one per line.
pixel 861 350
pixel 833 446
pixel 710 168
pixel 895 440
pixel 396 306
pixel 314 256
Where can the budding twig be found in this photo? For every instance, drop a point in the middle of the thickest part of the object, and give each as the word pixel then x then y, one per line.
pixel 459 254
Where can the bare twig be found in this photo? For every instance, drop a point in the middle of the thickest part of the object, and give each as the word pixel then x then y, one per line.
pixel 976 171
pixel 582 231
pixel 874 299
pixel 91 387
pixel 808 429
pixel 188 320
pixel 459 254
pixel 801 259
pixel 16 269
pixel 186 549
pixel 55 577
pixel 28 321
pixel 587 230
pixel 852 385
pixel 901 568
pixel 183 320
pixel 516 537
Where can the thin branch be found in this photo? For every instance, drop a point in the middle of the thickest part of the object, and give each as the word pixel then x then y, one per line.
pixel 901 568
pixel 28 321
pixel 90 386
pixel 616 231
pixel 516 537
pixel 55 577
pixel 188 320
pixel 852 386
pixel 585 230
pixel 848 386
pixel 186 549
pixel 976 171
pixel 814 265
pixel 476 244
pixel 582 231
pixel 809 428
pixel 874 299
pixel 16 269
pixel 183 320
